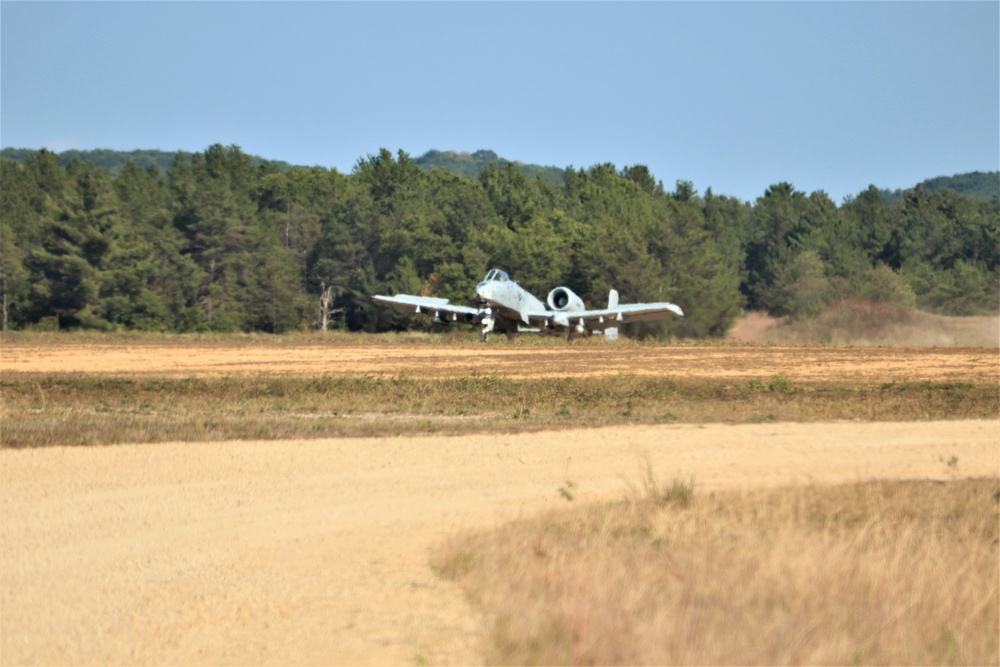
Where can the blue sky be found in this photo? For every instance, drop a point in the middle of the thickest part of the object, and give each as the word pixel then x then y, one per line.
pixel 829 96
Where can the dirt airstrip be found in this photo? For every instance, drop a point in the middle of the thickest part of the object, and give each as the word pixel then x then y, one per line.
pixel 316 552
pixel 799 364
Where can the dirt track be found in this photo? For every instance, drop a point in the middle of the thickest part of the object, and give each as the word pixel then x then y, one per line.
pixel 829 364
pixel 316 551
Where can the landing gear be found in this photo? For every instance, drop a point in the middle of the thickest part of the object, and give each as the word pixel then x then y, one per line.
pixel 488 323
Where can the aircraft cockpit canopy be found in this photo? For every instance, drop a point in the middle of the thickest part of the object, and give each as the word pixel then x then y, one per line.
pixel 497 275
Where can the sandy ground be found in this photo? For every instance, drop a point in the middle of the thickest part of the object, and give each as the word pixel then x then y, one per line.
pixel 316 552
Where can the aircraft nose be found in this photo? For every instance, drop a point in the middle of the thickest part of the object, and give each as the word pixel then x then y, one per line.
pixel 481 293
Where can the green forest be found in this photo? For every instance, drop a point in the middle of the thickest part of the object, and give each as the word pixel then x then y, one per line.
pixel 223 241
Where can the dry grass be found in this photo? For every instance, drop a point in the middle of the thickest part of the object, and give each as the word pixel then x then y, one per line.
pixel 458 337
pixel 68 409
pixel 871 573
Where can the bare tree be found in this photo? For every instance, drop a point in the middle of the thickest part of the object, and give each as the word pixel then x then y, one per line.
pixel 325 300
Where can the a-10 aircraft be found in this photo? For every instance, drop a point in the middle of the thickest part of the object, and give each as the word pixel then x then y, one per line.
pixel 504 306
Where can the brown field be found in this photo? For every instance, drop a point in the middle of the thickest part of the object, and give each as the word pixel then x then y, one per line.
pixel 318 551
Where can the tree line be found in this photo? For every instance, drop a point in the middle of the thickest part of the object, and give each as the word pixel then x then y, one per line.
pixel 220 241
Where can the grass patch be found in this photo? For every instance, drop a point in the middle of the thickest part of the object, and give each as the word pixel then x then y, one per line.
pixel 68 409
pixel 459 337
pixel 870 573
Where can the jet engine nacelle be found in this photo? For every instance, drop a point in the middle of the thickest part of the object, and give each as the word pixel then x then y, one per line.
pixel 563 298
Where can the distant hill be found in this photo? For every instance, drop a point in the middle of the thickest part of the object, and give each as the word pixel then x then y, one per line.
pixel 471 164
pixel 112 161
pixel 461 163
pixel 984 186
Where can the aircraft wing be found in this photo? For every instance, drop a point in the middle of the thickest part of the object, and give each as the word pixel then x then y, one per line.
pixel 428 305
pixel 605 318
pixel 634 312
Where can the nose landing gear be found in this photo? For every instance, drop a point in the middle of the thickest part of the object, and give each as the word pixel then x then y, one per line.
pixel 488 322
